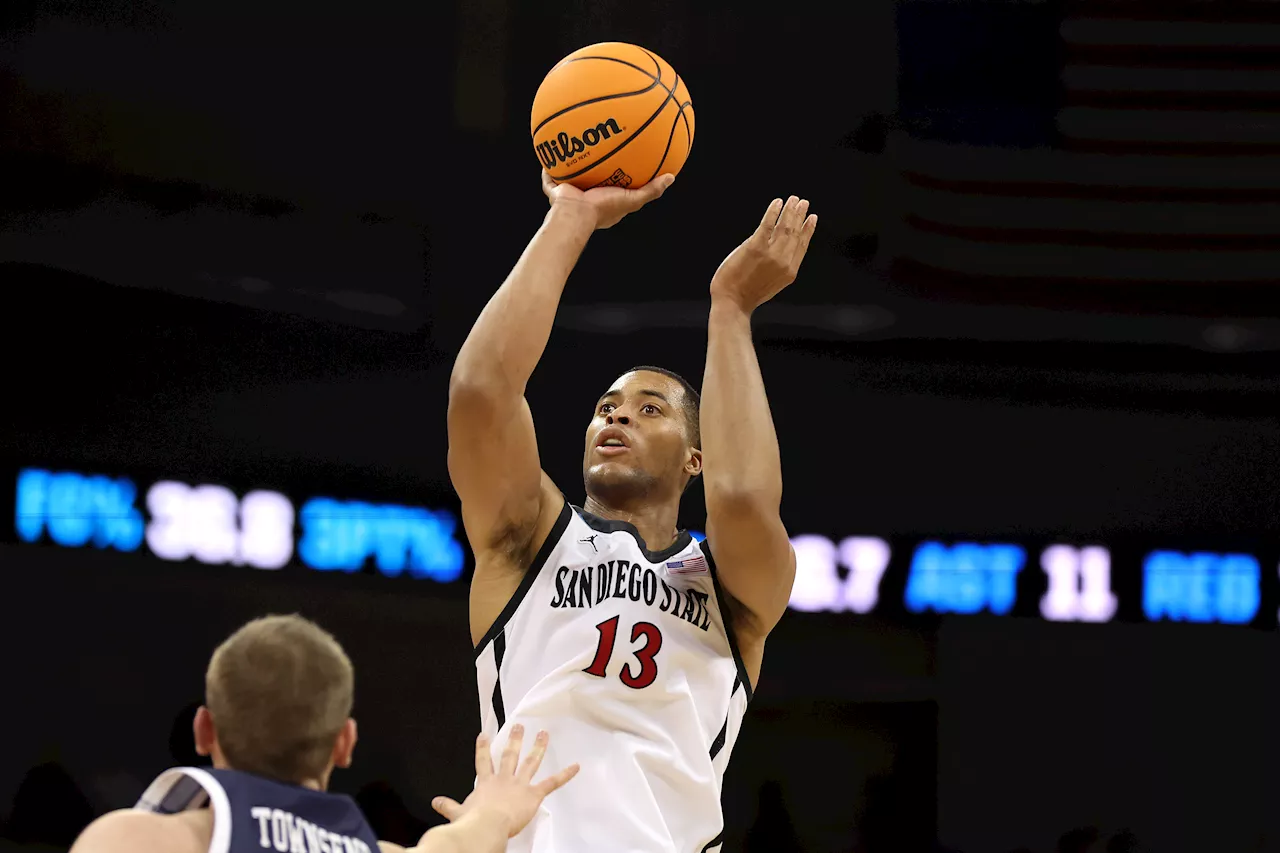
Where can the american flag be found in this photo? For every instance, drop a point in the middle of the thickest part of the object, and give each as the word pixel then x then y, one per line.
pixel 691 566
pixel 1125 150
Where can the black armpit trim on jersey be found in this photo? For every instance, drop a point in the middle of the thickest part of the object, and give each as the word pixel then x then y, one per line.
pixel 719 839
pixel 718 743
pixel 608 525
pixel 727 618
pixel 530 575
pixel 499 651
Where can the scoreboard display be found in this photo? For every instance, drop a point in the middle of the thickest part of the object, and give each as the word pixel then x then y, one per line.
pixel 1057 579
pixel 211 524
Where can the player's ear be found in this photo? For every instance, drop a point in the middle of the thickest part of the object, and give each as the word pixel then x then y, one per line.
pixel 345 746
pixel 693 466
pixel 205 733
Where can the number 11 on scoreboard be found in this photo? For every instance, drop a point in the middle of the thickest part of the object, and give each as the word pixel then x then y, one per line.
pixel 1079 584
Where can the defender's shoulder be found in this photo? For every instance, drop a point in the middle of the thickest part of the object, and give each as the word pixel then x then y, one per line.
pixel 142 831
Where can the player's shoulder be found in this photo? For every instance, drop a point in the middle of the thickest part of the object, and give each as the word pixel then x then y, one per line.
pixel 127 830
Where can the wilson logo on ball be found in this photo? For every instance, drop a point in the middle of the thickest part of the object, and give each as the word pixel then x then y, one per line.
pixel 564 147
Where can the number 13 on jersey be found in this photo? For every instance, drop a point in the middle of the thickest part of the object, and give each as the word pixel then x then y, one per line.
pixel 645 654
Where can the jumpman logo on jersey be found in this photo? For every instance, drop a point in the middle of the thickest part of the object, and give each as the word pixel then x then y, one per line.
pixel 591 540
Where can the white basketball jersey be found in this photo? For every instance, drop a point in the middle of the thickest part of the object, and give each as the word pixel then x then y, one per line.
pixel 626 658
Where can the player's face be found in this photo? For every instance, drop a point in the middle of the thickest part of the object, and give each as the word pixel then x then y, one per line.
pixel 637 439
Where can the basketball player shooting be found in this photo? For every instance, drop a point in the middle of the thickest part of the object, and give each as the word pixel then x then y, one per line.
pixel 277 723
pixel 633 644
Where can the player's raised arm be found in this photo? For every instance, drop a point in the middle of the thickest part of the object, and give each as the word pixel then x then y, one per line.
pixel 742 470
pixel 493 453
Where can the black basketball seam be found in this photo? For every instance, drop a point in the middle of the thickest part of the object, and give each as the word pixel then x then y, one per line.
pixel 594 101
pixel 667 100
pixel 688 131
pixel 672 135
pixel 649 74
pixel 657 79
pixel 658 65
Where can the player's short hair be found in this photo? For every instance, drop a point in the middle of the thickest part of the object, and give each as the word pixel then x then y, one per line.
pixel 692 401
pixel 279 691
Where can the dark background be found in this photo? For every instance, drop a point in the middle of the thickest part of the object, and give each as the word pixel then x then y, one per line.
pixel 241 243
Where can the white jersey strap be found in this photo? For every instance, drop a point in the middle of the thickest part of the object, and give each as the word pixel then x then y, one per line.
pixel 185 788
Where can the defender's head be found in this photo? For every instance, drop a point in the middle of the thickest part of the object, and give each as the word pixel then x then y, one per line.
pixel 643 442
pixel 279 694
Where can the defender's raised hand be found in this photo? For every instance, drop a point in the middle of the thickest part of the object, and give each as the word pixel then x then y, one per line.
pixel 509 794
pixel 769 259
pixel 607 204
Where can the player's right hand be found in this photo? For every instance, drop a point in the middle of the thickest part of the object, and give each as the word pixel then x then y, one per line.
pixel 509 793
pixel 608 205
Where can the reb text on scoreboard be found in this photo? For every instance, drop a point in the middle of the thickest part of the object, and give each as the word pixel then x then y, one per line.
pixel 1059 581
pixel 1055 581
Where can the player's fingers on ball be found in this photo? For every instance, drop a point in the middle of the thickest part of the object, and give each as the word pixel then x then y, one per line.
pixel 511 754
pixel 558 780
pixel 446 807
pixel 533 760
pixel 653 190
pixel 548 183
pixel 484 759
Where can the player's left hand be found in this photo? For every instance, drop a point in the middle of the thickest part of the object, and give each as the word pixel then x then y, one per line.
pixel 509 793
pixel 769 259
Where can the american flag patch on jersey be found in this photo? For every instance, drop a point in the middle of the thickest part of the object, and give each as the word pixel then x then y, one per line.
pixel 691 566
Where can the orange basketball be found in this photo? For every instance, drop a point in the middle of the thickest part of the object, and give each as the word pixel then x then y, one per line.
pixel 612 114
